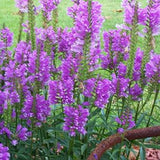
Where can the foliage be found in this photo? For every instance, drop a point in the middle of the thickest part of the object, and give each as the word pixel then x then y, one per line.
pixel 62 92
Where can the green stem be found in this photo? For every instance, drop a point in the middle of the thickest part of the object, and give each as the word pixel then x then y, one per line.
pixel 31 19
pixel 20 26
pixel 143 105
pixel 70 150
pixel 153 106
pixel 55 19
pixel 137 110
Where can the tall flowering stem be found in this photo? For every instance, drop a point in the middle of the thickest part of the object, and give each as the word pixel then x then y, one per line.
pixel 20 26
pixel 148 39
pixel 134 38
pixel 87 43
pixel 55 19
pixel 153 106
pixel 31 19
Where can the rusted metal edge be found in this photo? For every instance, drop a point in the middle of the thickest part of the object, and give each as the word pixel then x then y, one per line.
pixel 117 138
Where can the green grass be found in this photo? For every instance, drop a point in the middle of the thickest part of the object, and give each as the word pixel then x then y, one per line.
pixel 9 14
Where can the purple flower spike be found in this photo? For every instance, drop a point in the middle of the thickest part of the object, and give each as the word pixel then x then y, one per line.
pixel 6 36
pixel 75 120
pixel 153 69
pixel 135 92
pixel 22 133
pixel 120 130
pixel 4 154
pixel 137 65
pixel 125 121
pixel 61 91
pixel 48 6
pixel 119 86
pixel 22 5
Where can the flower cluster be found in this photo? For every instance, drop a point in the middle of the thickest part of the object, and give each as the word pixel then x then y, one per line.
pixel 22 134
pixel 135 92
pixel 150 14
pixel 48 6
pixel 116 45
pixel 87 26
pixel 119 86
pixel 22 52
pixel 39 67
pixel 35 108
pixel 22 5
pixel 125 121
pixel 137 65
pixel 6 38
pixel 61 67
pixel 75 120
pixel 153 69
pixel 61 92
pixel 103 93
pixel 4 154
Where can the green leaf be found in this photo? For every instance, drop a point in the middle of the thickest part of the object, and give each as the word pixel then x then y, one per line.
pixel 142 153
pixel 154 146
pixel 83 148
pixel 140 119
pixel 123 157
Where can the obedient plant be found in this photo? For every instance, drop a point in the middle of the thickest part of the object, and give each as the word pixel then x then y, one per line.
pixel 4 154
pixel 62 90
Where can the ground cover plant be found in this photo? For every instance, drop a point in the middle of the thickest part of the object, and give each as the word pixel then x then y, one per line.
pixel 63 89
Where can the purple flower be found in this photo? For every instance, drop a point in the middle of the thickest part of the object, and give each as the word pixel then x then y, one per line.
pixel 26 112
pixel 6 36
pixel 116 44
pixel 13 115
pixel 86 103
pixel 4 152
pixel 22 52
pixel 122 70
pixel 14 97
pixel 120 130
pixel 125 121
pixel 22 133
pixel 2 101
pixel 135 92
pixel 42 109
pixel 69 67
pixel 5 130
pixel 22 5
pixel 153 16
pixel 151 13
pixel 39 69
pixel 152 69
pixel 64 40
pixel 14 142
pixel 46 34
pixel 119 86
pixel 84 25
pixel 95 156
pixel 75 120
pixel 137 65
pixel 103 93
pixel 48 6
pixel 89 86
pixel 129 8
pixel 61 91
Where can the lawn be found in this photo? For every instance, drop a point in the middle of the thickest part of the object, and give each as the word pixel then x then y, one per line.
pixel 99 97
pixel 111 11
